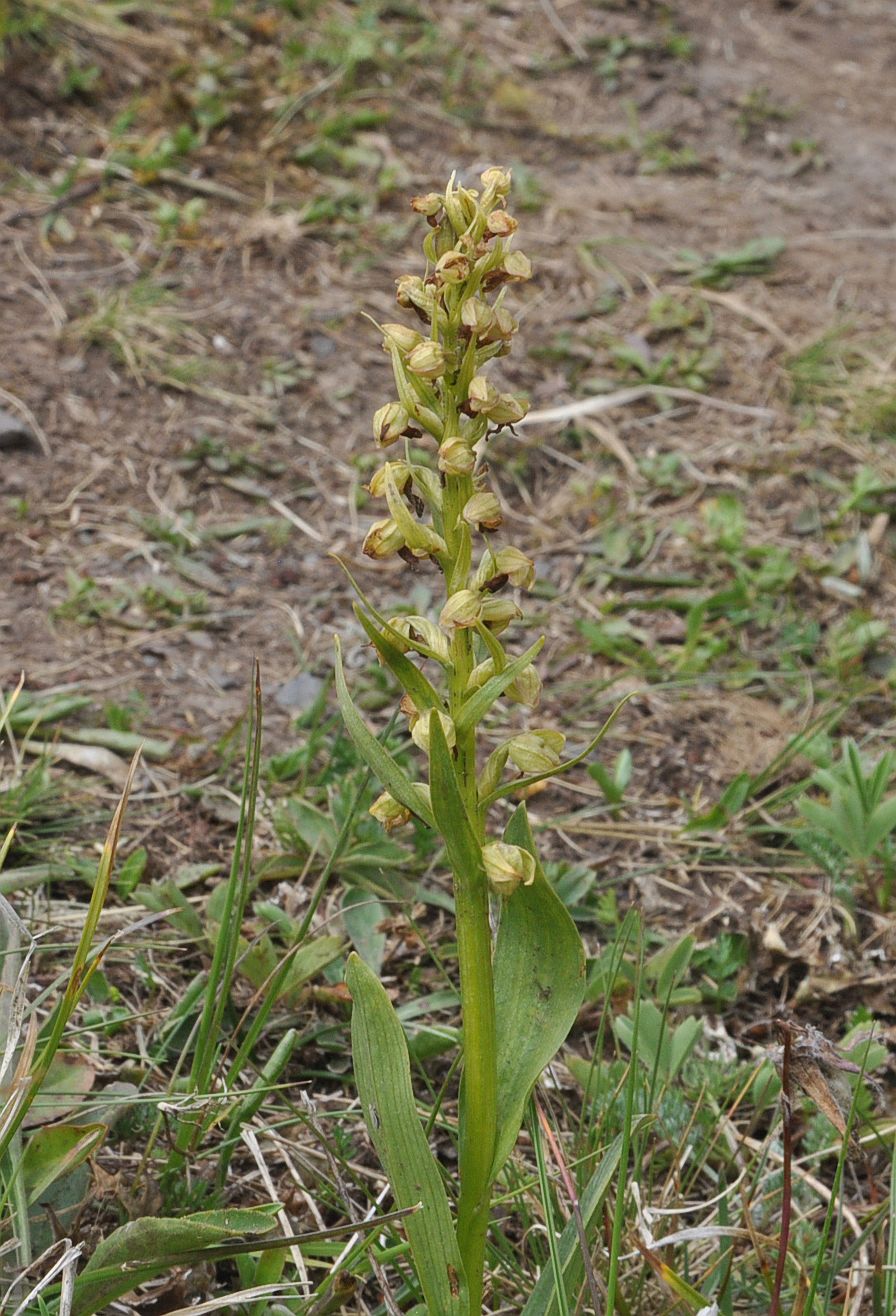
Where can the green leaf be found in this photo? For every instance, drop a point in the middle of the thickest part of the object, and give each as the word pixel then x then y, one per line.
pixel 464 851
pixel 145 1248
pixel 543 1299
pixel 363 915
pixel 408 674
pixel 383 1076
pixel 56 1151
pixel 539 972
pixel 378 759
pixel 476 706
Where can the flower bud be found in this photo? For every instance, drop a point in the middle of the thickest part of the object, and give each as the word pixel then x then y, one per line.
pixel 481 673
pixel 496 180
pixel 400 472
pixel 421 630
pixel 483 511
pixel 420 731
pixel 456 457
pixel 500 225
pixel 403 337
pixel 477 317
pixel 481 396
pixel 536 751
pixel 389 424
pixel 383 539
pixel 503 326
pixel 526 689
pixel 427 360
pixel 389 812
pixel 504 564
pixel 508 410
pixel 462 610
pixel 506 866
pixel 429 205
pixel 498 613
pixel 453 267
pixel 413 294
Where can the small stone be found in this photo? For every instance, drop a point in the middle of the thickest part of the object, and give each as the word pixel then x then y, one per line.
pixel 15 434
pixel 299 694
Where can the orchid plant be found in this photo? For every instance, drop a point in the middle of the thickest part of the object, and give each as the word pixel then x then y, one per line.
pixel 520 958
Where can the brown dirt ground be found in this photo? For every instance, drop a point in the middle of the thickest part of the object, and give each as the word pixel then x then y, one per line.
pixel 253 286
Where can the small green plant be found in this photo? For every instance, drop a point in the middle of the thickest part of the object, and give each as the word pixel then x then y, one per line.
pixel 521 991
pixel 858 817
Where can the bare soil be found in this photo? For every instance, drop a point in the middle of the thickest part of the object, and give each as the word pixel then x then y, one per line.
pixel 783 115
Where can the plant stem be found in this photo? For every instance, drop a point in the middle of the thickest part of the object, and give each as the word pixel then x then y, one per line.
pixel 478 1121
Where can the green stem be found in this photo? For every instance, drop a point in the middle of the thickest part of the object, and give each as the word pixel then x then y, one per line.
pixel 478 1118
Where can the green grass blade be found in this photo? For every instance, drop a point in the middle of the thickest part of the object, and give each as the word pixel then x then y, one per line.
pixel 539 988
pixel 383 1075
pixel 543 1300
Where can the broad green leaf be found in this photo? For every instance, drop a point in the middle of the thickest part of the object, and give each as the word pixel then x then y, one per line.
pixel 69 1077
pixel 55 1151
pixel 476 706
pixel 543 1300
pixel 259 962
pixel 363 915
pixel 145 1248
pixel 378 759
pixel 383 1076
pixel 539 972
pixel 408 674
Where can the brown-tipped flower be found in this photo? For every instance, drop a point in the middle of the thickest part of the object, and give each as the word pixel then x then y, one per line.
pixel 383 539
pixel 429 204
pixel 515 267
pixel 389 812
pixel 389 424
pixel 507 562
pixel 500 225
pixel 420 730
pixel 413 294
pixel 402 336
pixel 536 751
pixel 427 360
pixel 453 267
pixel 507 867
pixel 483 511
pixel 456 457
pixel 462 610
pixel 497 613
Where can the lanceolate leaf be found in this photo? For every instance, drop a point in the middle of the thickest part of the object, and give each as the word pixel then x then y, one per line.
pixel 464 853
pixel 539 987
pixel 147 1247
pixel 478 703
pixel 383 1075
pixel 378 759
pixel 407 673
